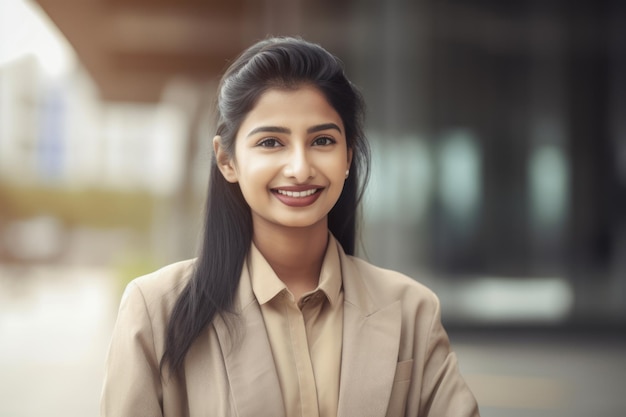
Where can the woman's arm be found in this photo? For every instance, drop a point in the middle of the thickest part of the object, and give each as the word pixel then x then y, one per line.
pixel 132 383
pixel 444 392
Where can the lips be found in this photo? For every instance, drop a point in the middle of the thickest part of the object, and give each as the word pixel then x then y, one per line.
pixel 297 196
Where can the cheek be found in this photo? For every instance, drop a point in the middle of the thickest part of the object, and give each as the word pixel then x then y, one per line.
pixel 255 173
pixel 338 165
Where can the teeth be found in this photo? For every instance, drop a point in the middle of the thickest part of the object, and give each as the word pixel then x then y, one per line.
pixel 297 194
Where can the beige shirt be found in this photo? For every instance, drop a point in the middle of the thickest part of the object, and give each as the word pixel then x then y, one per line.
pixel 305 336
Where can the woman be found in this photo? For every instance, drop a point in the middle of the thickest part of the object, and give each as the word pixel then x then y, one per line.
pixel 275 317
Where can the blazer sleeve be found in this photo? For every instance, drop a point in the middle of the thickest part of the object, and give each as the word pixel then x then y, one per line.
pixel 444 392
pixel 132 383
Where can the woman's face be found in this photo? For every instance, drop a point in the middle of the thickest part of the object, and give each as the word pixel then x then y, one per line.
pixel 290 160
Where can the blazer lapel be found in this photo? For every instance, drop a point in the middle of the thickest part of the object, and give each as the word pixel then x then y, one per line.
pixel 371 339
pixel 250 365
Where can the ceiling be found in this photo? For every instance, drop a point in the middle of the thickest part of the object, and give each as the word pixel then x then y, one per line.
pixel 132 48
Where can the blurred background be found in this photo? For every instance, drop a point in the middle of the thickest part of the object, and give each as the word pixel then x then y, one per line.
pixel 498 132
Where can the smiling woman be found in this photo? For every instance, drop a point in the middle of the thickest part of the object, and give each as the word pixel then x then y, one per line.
pixel 290 160
pixel 276 317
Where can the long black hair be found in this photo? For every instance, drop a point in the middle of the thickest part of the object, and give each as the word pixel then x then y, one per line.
pixel 285 63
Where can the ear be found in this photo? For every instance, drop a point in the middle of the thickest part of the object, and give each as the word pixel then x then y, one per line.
pixel 225 163
pixel 350 153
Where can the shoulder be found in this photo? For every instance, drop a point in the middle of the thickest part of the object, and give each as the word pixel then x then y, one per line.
pixel 385 286
pixel 159 290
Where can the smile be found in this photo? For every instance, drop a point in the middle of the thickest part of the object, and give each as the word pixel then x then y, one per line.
pixel 298 194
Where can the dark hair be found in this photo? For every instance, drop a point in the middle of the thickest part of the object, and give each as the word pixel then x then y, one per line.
pixel 285 63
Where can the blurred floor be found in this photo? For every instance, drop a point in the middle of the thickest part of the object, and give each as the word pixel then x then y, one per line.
pixel 529 374
pixel 54 329
pixel 55 324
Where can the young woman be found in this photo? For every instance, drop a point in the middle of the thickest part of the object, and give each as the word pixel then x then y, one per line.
pixel 276 317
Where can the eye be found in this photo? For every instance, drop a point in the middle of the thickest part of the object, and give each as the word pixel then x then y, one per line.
pixel 324 141
pixel 269 143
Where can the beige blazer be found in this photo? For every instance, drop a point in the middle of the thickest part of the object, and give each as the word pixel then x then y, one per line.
pixel 396 357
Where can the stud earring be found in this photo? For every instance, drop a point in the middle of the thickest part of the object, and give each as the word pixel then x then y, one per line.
pixel 347 173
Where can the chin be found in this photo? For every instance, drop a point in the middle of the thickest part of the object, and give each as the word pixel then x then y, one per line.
pixel 304 223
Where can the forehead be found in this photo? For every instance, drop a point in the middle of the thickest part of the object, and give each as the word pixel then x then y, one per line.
pixel 293 108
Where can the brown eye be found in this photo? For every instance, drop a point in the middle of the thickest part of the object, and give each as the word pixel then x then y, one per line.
pixel 269 143
pixel 324 141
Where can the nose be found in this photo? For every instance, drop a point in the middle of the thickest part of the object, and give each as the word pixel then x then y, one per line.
pixel 299 166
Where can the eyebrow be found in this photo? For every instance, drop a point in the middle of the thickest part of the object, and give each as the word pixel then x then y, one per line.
pixel 325 126
pixel 278 129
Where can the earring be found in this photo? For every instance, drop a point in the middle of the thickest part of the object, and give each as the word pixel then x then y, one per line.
pixel 347 173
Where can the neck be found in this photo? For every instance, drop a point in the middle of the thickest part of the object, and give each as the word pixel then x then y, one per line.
pixel 295 254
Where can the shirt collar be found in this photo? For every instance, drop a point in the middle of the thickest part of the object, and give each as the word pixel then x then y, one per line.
pixel 266 284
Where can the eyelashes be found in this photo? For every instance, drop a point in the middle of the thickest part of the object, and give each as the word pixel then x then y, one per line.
pixel 272 142
pixel 324 141
pixel 269 143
